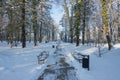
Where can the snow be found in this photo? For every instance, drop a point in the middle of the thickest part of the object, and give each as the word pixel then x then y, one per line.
pixel 21 64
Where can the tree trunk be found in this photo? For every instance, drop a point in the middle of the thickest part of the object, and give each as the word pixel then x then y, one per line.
pixel 71 22
pixel 35 22
pixel 77 40
pixel 119 33
pixel 109 42
pixel 84 24
pixel 53 33
pixel 77 21
pixel 118 23
pixel 68 19
pixel 105 23
pixel 23 25
pixel 40 38
pixel 35 32
pixel 35 38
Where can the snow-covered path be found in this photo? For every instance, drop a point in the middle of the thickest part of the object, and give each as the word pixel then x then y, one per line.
pixel 21 64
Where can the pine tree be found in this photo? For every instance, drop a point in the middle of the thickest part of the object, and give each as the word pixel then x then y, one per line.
pixel 34 2
pixel 77 21
pixel 105 22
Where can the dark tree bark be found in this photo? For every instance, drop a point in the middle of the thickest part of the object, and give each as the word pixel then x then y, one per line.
pixel 109 42
pixel 84 22
pixel 119 33
pixel 53 33
pixel 118 23
pixel 35 21
pixel 35 38
pixel 71 23
pixel 23 25
pixel 77 22
pixel 40 37
pixel 77 40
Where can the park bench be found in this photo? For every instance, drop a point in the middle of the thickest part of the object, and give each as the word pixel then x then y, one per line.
pixel 84 59
pixel 78 56
pixel 42 57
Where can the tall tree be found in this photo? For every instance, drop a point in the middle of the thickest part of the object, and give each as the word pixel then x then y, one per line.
pixel 69 16
pixel 118 5
pixel 23 25
pixel 77 21
pixel 72 21
pixel 85 17
pixel 34 2
pixel 84 21
pixel 105 22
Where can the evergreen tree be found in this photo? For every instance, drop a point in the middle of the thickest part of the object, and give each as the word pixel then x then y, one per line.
pixel 34 6
pixel 105 23
pixel 77 21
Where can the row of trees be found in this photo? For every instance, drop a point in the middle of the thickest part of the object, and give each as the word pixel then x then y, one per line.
pixel 84 20
pixel 96 21
pixel 26 20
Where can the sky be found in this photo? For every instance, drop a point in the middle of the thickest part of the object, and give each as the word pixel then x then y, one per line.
pixel 57 12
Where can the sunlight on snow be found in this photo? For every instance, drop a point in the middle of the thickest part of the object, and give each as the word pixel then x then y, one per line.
pixel 117 46
pixel 89 51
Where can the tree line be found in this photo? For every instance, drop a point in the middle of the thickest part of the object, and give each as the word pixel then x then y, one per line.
pixel 92 21
pixel 26 20
pixel 84 21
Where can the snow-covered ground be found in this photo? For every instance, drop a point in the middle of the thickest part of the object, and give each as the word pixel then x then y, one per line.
pixel 22 64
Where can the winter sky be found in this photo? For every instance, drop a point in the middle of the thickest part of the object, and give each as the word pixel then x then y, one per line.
pixel 57 12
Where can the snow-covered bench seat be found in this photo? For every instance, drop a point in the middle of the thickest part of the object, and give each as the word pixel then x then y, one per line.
pixel 78 56
pixel 42 57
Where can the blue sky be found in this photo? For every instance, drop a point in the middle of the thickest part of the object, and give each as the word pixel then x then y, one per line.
pixel 57 12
